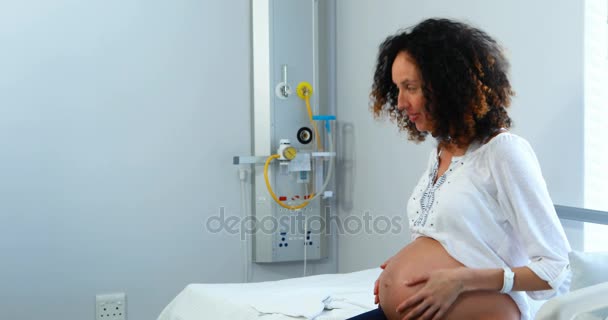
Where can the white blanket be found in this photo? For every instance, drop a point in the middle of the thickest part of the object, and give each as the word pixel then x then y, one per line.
pixel 322 297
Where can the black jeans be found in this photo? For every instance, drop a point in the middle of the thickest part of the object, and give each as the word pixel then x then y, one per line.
pixel 376 314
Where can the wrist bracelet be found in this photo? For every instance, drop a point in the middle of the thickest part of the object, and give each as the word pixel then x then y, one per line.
pixel 507 282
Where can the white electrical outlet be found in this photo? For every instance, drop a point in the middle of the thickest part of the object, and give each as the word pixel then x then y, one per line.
pixel 111 306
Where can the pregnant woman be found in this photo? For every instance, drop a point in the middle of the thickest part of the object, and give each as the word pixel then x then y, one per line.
pixel 484 229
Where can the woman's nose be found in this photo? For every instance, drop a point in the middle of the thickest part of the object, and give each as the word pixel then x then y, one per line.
pixel 402 103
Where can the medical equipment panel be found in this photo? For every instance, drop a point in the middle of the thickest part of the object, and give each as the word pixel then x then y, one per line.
pixel 292 135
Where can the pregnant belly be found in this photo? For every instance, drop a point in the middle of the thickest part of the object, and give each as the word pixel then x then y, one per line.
pixel 422 256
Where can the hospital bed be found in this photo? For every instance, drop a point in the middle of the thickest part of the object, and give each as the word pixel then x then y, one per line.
pixel 340 296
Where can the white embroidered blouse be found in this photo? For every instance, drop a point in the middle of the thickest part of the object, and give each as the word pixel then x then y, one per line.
pixel 491 209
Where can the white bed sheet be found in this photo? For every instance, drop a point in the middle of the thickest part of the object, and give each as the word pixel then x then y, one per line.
pixel 321 297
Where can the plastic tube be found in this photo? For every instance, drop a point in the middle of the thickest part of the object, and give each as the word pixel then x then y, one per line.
pixel 331 167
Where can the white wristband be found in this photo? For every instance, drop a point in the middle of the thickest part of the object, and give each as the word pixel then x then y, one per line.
pixel 507 282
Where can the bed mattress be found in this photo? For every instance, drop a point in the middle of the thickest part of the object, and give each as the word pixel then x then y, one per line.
pixel 320 297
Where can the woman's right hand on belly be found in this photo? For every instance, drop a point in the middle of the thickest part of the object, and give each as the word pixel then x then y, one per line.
pixel 376 285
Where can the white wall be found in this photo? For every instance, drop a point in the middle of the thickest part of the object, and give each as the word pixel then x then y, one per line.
pixel 109 127
pixel 544 41
pixel 118 124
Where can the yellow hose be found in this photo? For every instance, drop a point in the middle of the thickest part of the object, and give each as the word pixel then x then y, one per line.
pixel 312 122
pixel 274 196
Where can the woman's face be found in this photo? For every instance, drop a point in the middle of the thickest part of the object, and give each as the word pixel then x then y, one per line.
pixel 406 77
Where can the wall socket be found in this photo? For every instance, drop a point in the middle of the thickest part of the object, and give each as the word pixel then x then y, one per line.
pixel 112 306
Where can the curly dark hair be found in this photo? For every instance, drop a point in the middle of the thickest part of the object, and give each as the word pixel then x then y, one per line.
pixel 464 76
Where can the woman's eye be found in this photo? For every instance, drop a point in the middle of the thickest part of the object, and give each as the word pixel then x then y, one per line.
pixel 411 88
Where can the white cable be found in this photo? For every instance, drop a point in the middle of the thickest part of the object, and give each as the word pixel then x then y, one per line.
pixel 290 194
pixel 305 244
pixel 305 231
pixel 329 173
pixel 245 250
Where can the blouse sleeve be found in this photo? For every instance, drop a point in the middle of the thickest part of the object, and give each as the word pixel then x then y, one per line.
pixel 523 196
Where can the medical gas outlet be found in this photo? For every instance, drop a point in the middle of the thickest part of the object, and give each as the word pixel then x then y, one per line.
pixel 286 152
pixel 304 135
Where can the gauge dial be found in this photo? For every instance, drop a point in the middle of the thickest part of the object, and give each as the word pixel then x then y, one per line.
pixel 290 153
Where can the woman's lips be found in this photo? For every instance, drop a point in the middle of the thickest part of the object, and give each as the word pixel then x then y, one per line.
pixel 414 117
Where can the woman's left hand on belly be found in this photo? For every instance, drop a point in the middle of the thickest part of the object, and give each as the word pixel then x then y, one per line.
pixel 439 291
